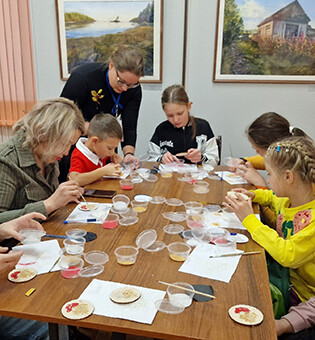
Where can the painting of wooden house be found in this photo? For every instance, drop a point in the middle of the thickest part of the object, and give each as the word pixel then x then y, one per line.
pixel 289 22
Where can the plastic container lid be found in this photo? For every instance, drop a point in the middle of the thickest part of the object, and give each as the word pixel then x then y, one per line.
pixel 158 200
pixel 173 229
pixel 142 198
pixel 126 221
pixel 175 202
pixel 176 216
pixel 151 178
pixel 241 238
pixel 31 235
pixel 90 271
pixel 146 238
pixel 96 257
pixel 169 307
pixel 156 246
pixel 76 233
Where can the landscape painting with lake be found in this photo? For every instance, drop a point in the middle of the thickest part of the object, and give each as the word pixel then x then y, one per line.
pixel 90 31
pixel 270 41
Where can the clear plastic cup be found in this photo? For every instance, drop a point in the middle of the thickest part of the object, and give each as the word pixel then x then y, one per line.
pixel 201 187
pixel 139 206
pixel 126 184
pixel 166 173
pixel 70 266
pixel 109 221
pixel 120 203
pixel 178 251
pixel 126 255
pixel 195 221
pixel 74 245
pixel 193 208
pixel 184 297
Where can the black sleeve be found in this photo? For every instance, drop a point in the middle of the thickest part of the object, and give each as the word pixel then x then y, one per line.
pixel 129 118
pixel 76 89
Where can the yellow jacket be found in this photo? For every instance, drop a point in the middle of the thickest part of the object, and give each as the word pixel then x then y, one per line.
pixel 293 243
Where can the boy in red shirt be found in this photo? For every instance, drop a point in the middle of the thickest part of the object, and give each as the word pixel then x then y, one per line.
pixel 88 160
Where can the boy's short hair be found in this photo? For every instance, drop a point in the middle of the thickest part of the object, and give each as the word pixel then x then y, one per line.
pixel 104 125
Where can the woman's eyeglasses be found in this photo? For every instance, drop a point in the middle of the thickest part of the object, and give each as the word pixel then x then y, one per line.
pixel 122 83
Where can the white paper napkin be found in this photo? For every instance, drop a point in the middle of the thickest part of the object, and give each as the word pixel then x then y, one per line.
pixel 228 176
pixel 142 310
pixel 219 268
pixel 40 256
pixel 79 216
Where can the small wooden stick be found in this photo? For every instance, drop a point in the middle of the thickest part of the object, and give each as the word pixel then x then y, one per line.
pixel 235 254
pixel 188 290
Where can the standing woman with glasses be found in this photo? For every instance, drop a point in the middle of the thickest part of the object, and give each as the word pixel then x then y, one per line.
pixel 112 88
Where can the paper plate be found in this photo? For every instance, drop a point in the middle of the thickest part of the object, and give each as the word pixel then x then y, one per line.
pixel 173 229
pixel 125 295
pixel 246 315
pixel 77 309
pixel 146 238
pixel 158 200
pixel 22 275
pixel 175 202
pixel 169 307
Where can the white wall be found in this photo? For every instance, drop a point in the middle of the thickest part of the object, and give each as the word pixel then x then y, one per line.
pixel 228 107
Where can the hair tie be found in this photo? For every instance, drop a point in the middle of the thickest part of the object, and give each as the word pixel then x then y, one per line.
pixel 278 148
pixel 291 129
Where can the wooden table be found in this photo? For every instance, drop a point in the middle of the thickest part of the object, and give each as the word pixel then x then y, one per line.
pixel 249 284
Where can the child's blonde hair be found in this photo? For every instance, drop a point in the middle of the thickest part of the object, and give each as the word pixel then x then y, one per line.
pixel 104 125
pixel 294 153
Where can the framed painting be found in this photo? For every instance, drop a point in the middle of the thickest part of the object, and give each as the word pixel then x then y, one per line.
pixel 269 41
pixel 91 30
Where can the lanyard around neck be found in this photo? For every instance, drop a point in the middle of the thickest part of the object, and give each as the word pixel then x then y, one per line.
pixel 117 105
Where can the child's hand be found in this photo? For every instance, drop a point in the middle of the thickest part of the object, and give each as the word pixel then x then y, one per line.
pixel 115 158
pixel 194 155
pixel 169 158
pixel 251 175
pixel 240 206
pixel 112 169
pixel 234 165
pixel 250 194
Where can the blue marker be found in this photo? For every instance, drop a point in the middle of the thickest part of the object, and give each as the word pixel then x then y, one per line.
pixel 85 221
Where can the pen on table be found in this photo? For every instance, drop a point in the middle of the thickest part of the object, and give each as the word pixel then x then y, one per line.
pixel 156 168
pixel 235 254
pixel 140 165
pixel 80 221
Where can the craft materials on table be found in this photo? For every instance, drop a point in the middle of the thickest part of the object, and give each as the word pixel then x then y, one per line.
pixel 246 315
pixel 41 256
pixel 179 167
pixel 220 269
pixel 142 310
pixel 231 177
pixel 223 219
pixel 92 216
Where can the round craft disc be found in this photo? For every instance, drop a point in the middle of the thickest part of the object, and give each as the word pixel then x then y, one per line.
pixel 88 207
pixel 77 309
pixel 22 275
pixel 125 295
pixel 246 315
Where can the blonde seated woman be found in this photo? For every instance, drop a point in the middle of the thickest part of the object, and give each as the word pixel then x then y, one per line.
pixel 29 160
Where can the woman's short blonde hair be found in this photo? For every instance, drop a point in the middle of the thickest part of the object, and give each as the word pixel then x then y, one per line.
pixel 52 121
pixel 128 58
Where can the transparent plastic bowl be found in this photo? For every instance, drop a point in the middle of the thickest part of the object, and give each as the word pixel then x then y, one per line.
pixel 201 187
pixel 120 203
pixel 139 206
pixel 126 255
pixel 126 184
pixel 195 221
pixel 109 221
pixel 31 235
pixel 74 245
pixel 193 208
pixel 70 266
pixel 178 251
pixel 181 296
